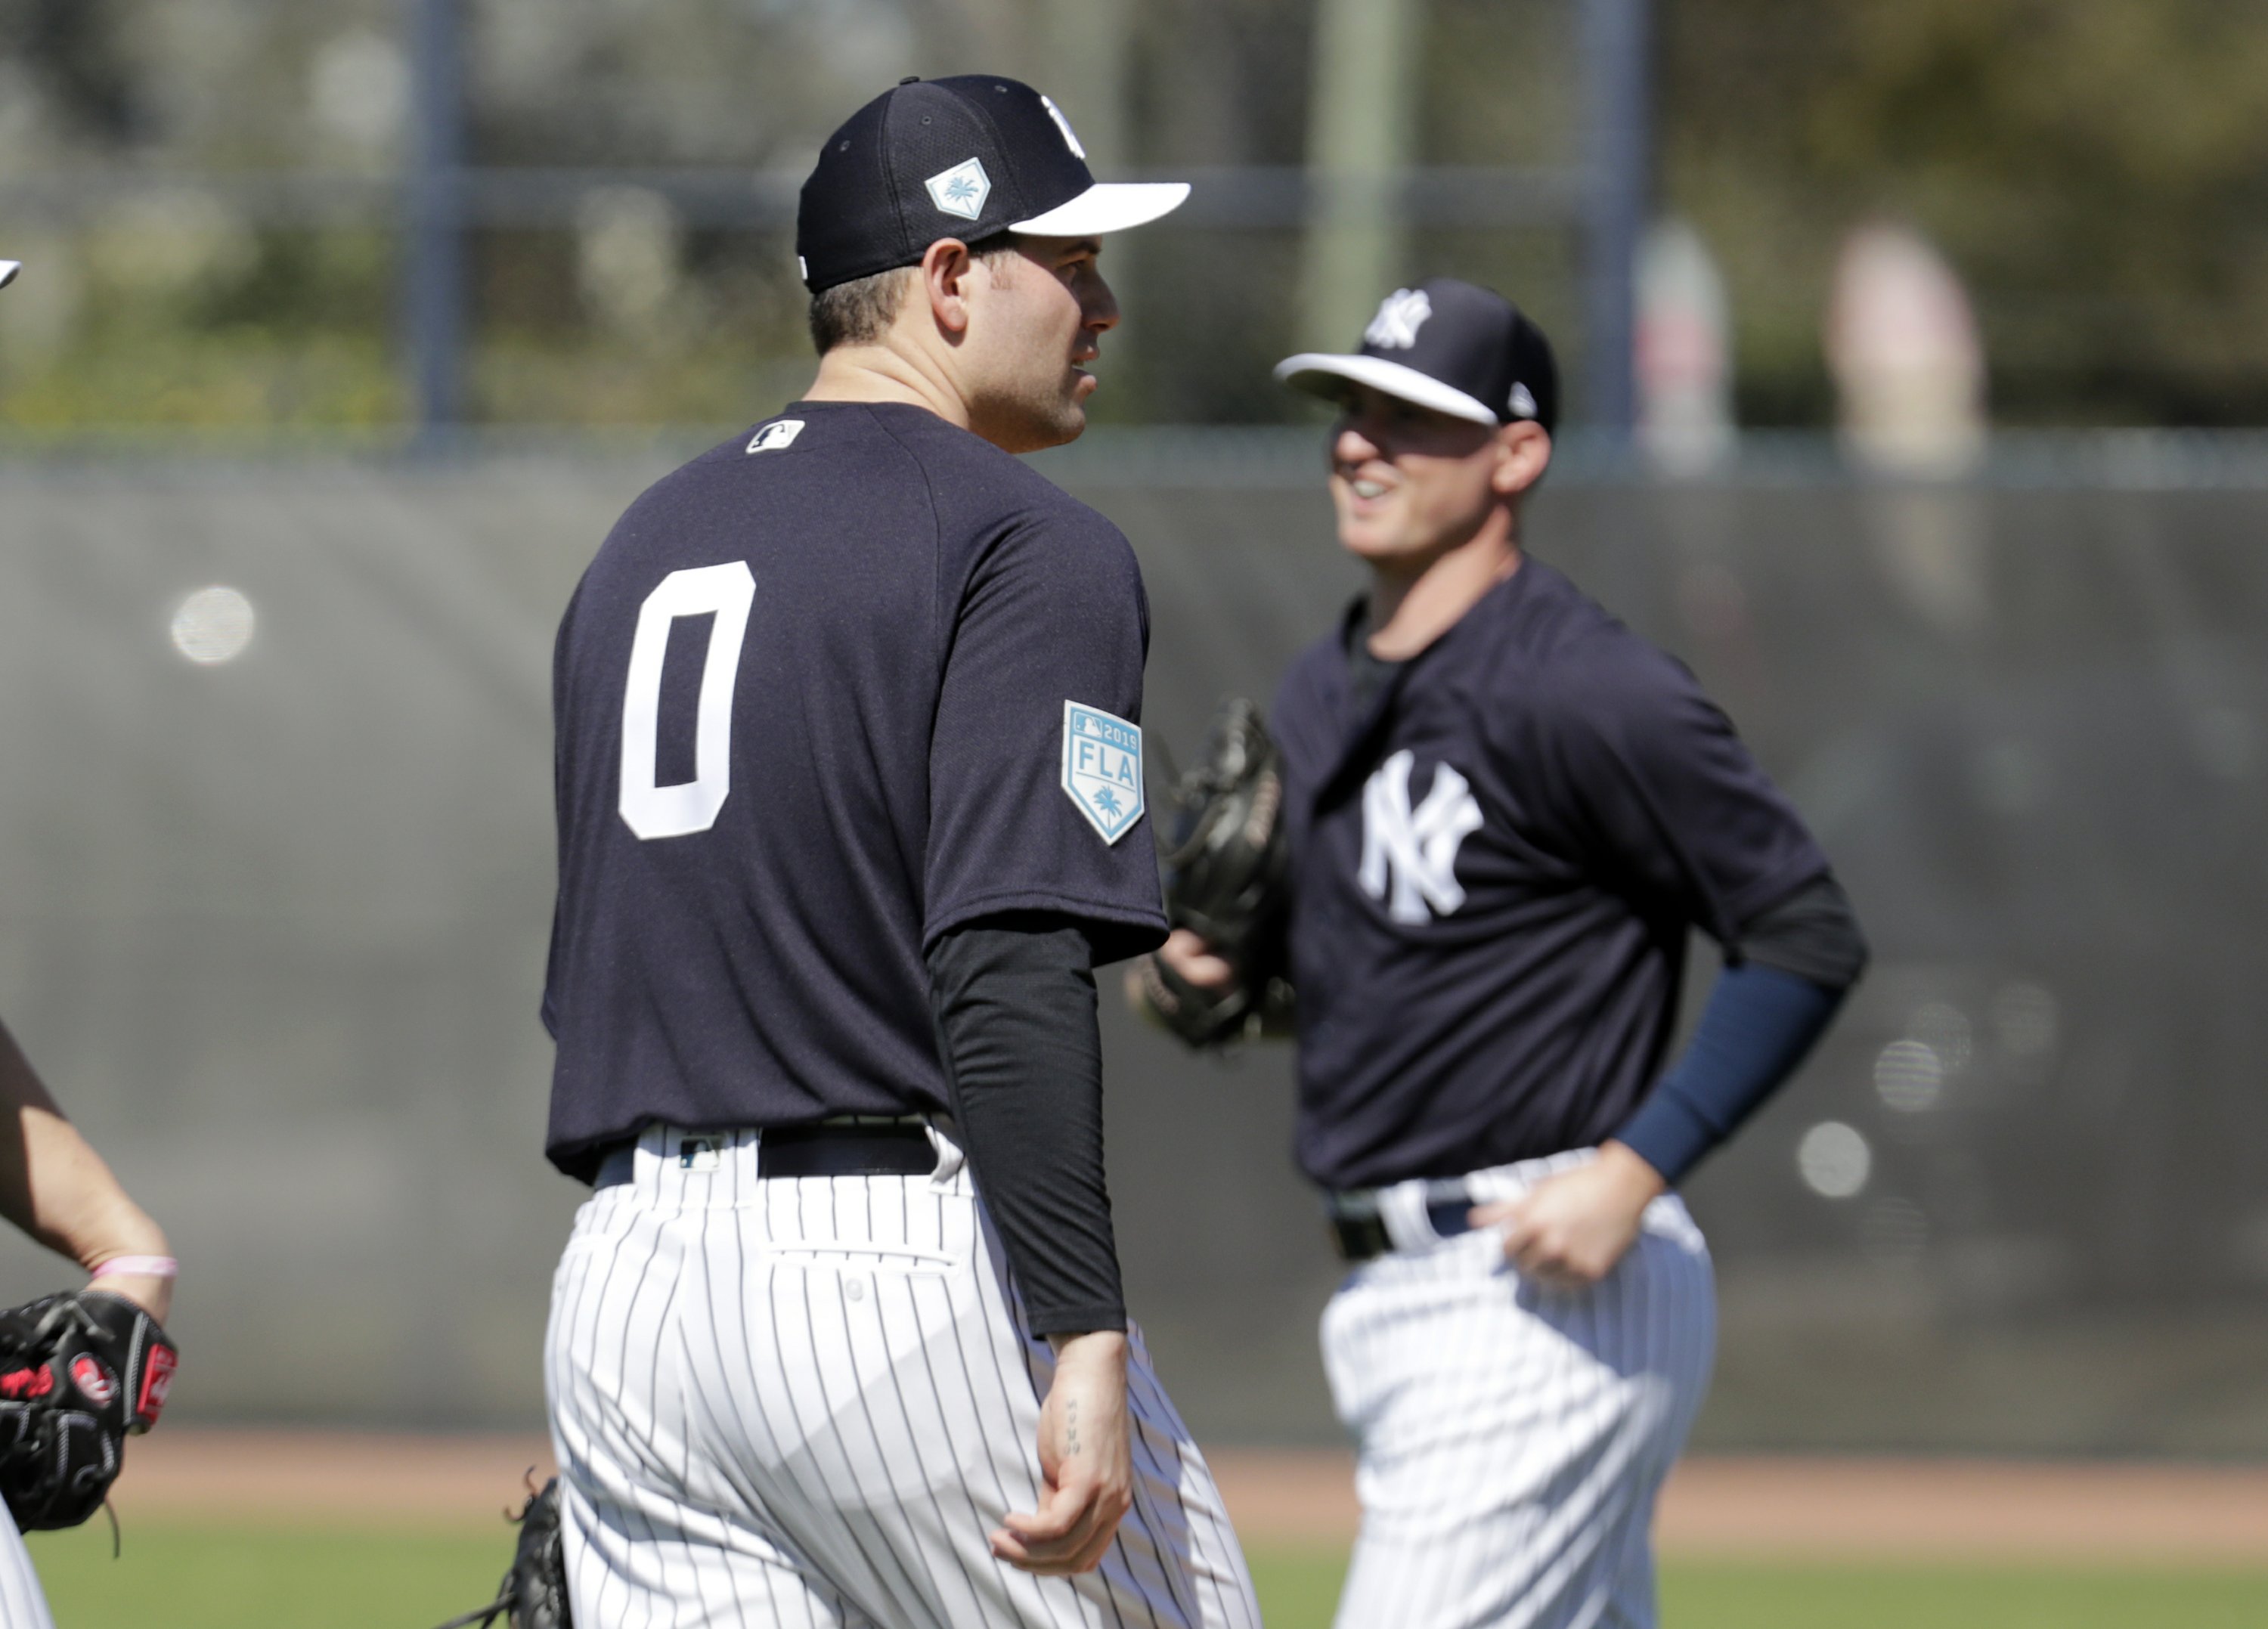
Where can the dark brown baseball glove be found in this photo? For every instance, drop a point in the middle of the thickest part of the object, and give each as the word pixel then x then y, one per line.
pixel 1225 861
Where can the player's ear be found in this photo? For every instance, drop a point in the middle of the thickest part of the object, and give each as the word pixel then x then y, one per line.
pixel 946 268
pixel 1523 453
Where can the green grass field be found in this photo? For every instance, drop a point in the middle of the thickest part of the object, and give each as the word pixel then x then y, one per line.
pixel 236 1578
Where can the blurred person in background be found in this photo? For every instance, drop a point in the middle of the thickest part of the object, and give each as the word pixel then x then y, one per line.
pixel 1504 814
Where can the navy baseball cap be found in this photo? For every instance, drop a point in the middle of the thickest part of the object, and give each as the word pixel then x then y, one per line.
pixel 962 158
pixel 1454 347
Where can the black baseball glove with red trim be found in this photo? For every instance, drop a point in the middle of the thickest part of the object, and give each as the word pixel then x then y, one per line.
pixel 79 1374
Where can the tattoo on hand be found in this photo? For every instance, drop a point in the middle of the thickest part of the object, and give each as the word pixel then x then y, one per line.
pixel 1071 1426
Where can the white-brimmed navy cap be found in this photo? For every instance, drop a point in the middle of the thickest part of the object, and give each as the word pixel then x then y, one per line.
pixel 1454 347
pixel 967 156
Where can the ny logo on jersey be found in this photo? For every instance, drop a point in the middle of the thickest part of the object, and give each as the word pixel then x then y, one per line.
pixel 960 190
pixel 1415 852
pixel 1400 315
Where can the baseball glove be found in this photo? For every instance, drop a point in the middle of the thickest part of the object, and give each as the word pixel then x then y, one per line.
pixel 532 1594
pixel 1226 859
pixel 78 1372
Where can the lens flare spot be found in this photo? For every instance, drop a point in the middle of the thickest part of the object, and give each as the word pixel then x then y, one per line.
pixel 212 626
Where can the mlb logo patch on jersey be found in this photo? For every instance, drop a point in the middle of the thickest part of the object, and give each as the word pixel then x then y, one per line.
pixel 1102 768
pixel 781 433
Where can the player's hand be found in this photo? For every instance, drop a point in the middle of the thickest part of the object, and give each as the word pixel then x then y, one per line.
pixel 1188 953
pixel 1086 1462
pixel 1568 1231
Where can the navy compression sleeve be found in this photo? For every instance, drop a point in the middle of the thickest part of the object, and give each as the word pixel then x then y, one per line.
pixel 1755 1029
pixel 1800 956
pixel 1015 1005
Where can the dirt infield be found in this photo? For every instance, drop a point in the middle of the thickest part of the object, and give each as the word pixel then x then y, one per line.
pixel 1720 1506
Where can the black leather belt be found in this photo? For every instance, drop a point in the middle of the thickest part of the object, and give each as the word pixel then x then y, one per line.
pixel 883 1148
pixel 1359 1231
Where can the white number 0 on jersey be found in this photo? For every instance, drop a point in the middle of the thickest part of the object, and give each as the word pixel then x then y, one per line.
pixel 653 811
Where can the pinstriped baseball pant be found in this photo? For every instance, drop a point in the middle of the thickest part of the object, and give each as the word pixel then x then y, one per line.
pixel 23 1605
pixel 807 1401
pixel 1511 1440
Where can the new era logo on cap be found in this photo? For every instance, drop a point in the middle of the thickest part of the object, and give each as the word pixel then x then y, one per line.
pixel 960 190
pixel 968 158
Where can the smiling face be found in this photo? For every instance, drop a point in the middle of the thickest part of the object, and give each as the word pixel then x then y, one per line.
pixel 1033 323
pixel 1411 483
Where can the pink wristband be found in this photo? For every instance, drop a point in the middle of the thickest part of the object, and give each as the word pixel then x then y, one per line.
pixel 139 1267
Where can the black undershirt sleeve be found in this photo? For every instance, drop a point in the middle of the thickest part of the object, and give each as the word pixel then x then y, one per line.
pixel 1813 933
pixel 1015 1006
pixel 1782 983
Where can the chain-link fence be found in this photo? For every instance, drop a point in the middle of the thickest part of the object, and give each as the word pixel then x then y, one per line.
pixel 275 875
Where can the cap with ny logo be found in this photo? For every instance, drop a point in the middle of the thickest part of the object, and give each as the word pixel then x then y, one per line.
pixel 1454 347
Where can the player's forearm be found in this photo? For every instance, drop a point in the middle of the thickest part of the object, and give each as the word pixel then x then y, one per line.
pixel 1016 1020
pixel 53 1185
pixel 1757 1027
pixel 1794 963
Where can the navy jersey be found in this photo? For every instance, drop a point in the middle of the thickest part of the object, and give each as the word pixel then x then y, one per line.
pixel 1496 863
pixel 824 694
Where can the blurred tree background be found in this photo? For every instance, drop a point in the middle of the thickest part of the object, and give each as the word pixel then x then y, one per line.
pixel 2096 170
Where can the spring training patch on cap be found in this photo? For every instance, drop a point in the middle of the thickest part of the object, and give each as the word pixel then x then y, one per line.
pixel 1102 768
pixel 960 190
